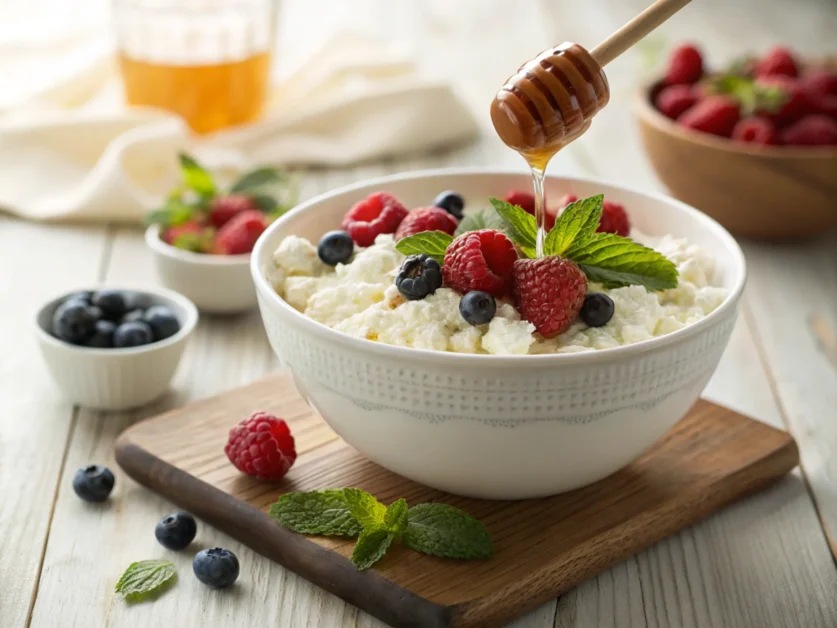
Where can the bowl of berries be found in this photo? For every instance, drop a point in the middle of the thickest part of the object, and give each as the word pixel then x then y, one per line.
pixel 419 320
pixel 747 144
pixel 202 236
pixel 114 349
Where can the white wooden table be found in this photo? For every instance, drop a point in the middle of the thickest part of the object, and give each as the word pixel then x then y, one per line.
pixel 764 562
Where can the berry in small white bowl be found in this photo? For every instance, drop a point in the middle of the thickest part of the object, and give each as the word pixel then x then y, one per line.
pixel 114 349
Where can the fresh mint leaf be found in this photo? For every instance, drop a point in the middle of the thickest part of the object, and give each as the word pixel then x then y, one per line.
pixel 432 243
pixel 483 219
pixel 257 178
pixel 443 530
pixel 395 518
pixel 520 226
pixel 146 579
pixel 371 547
pixel 578 221
pixel 175 212
pixel 366 510
pixel 316 512
pixel 196 176
pixel 265 203
pixel 615 261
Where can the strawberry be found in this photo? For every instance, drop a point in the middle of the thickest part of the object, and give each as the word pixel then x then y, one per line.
pixel 777 61
pixel 685 66
pixel 819 83
pixel 825 105
pixel 814 130
pixel 549 293
pixel 238 236
pixel 674 100
pixel 714 114
pixel 223 208
pixel 192 235
pixel 755 131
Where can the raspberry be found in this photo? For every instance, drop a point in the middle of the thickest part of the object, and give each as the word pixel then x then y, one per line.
pixel 777 61
pixel 814 130
pixel 261 446
pixel 685 66
pixel 480 260
pixel 795 104
pixel 715 114
pixel 614 219
pixel 524 200
pixel 549 292
pixel 378 213
pixel 755 131
pixel 426 219
pixel 826 105
pixel 238 236
pixel 676 99
pixel 224 208
pixel 819 83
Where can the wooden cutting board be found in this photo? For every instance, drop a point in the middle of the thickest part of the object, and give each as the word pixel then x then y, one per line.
pixel 542 547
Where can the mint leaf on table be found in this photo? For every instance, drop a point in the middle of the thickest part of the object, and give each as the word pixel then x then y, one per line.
pixel 520 226
pixel 316 512
pixel 443 530
pixel 483 219
pixel 432 243
pixel 371 547
pixel 395 518
pixel 578 221
pixel 256 179
pixel 196 177
pixel 146 579
pixel 366 510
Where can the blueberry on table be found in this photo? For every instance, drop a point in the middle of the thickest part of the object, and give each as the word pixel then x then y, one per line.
pixel 420 275
pixel 93 483
pixel 133 316
pixel 74 322
pixel 102 337
pixel 113 303
pixel 597 309
pixel 176 531
pixel 451 202
pixel 217 568
pixel 132 335
pixel 162 321
pixel 477 307
pixel 335 247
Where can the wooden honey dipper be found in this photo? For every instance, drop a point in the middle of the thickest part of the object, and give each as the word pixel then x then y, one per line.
pixel 552 99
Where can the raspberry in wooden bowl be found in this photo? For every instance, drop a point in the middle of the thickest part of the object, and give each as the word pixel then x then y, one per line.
pixel 754 147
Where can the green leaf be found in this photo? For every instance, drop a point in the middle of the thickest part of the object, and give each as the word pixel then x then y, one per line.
pixel 395 519
pixel 615 261
pixel 443 530
pixel 520 226
pixel 175 212
pixel 196 177
pixel 265 203
pixel 366 510
pixel 256 179
pixel 578 221
pixel 371 547
pixel 316 512
pixel 146 579
pixel 432 243
pixel 483 219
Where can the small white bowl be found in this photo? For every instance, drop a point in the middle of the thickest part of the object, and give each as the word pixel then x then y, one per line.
pixel 503 427
pixel 116 379
pixel 216 284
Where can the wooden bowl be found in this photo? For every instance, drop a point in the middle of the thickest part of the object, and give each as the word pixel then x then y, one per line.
pixel 771 193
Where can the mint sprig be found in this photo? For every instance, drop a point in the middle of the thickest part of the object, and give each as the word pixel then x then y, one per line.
pixel 196 176
pixel 751 95
pixel 487 218
pixel 146 579
pixel 578 221
pixel 432 243
pixel 520 226
pixel 436 529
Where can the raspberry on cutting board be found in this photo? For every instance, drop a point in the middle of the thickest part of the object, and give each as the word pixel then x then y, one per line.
pixel 378 213
pixel 549 293
pixel 426 219
pixel 261 446
pixel 480 260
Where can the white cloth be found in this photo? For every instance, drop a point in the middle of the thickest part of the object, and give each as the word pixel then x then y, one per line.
pixel 70 150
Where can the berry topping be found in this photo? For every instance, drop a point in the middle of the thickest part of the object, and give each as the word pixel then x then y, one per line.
pixel 419 276
pixel 597 309
pixel 777 61
pixel 376 214
pixel 524 200
pixel 755 131
pixel 261 446
pixel 162 321
pixel 335 247
pixel 614 219
pixel 217 568
pixel 224 208
pixel 714 114
pixel 113 303
pixel 102 337
pixel 549 292
pixel 480 260
pixel 176 531
pixel 74 322
pixel 816 130
pixel 133 334
pixel 674 100
pixel 426 219
pixel 685 66
pixel 93 483
pixel 238 236
pixel 451 202
pixel 477 308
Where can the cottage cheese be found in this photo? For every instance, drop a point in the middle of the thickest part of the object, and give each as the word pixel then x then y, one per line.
pixel 360 299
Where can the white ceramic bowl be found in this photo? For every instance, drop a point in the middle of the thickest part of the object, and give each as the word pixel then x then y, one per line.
pixel 217 284
pixel 116 379
pixel 494 426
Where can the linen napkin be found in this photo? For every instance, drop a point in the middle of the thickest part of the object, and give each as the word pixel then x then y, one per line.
pixel 71 150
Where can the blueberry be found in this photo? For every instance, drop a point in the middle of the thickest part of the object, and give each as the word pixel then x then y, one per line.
pixel 335 247
pixel 102 338
pixel 597 309
pixel 162 321
pixel 419 276
pixel 133 316
pixel 176 531
pixel 132 335
pixel 451 202
pixel 93 483
pixel 83 296
pixel 73 322
pixel 137 300
pixel 216 567
pixel 477 307
pixel 113 303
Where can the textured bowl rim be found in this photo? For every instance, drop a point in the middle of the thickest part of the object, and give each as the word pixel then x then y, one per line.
pixel 186 329
pixel 646 112
pixel 624 352
pixel 156 244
